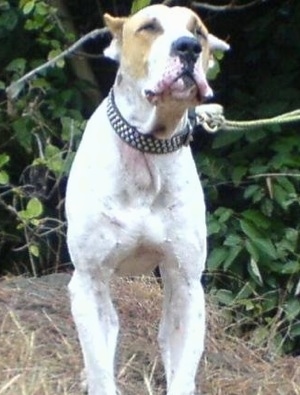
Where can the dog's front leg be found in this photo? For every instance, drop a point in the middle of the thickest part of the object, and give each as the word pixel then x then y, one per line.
pixel 97 326
pixel 182 327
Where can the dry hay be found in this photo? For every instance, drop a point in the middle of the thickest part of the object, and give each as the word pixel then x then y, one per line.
pixel 40 353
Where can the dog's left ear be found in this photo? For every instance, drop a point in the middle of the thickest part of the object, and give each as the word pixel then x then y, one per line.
pixel 115 26
pixel 216 44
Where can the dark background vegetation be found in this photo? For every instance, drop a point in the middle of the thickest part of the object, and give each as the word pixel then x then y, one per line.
pixel 251 179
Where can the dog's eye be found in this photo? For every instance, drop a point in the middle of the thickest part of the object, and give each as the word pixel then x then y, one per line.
pixel 198 32
pixel 150 26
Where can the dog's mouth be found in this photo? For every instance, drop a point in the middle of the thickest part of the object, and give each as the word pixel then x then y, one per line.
pixel 180 81
pixel 185 83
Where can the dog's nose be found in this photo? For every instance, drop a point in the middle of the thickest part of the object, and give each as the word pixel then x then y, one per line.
pixel 187 48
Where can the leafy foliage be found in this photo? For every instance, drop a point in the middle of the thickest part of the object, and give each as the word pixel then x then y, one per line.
pixel 38 134
pixel 252 183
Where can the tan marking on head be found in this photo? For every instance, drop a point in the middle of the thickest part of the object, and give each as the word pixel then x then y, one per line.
pixel 115 25
pixel 134 36
pixel 139 33
pixel 197 27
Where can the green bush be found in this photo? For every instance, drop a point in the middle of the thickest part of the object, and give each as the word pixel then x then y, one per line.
pixel 252 183
pixel 39 132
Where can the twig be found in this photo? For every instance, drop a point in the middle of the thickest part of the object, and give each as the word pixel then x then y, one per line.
pixel 10 383
pixel 232 6
pixel 124 368
pixel 14 89
pixel 275 175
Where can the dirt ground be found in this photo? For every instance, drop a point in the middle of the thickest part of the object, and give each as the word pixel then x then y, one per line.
pixel 40 355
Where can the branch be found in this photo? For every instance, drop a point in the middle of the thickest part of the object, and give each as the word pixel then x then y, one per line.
pixel 264 175
pixel 232 6
pixel 15 88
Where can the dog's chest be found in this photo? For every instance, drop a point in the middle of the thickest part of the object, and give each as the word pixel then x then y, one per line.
pixel 142 182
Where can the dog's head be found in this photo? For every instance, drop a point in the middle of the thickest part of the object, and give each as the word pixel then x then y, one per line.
pixel 166 51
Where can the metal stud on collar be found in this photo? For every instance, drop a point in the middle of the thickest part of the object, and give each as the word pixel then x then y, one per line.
pixel 144 142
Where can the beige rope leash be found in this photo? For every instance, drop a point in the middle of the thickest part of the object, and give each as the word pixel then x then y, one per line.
pixel 212 119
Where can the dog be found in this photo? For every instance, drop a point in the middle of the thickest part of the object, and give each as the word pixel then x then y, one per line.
pixel 134 199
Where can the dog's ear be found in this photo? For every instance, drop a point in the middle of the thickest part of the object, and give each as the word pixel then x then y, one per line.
pixel 216 44
pixel 115 26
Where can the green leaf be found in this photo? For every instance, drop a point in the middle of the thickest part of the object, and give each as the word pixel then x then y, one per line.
pixel 22 133
pixel 233 254
pixel 233 240
pixel 260 335
pixel 280 195
pixel 251 191
pixel 4 158
pixel 225 297
pixel 213 227
pixel 286 184
pixel 138 5
pixel 261 242
pixel 4 177
pixel 219 54
pixel 17 65
pixel 238 173
pixel 255 135
pixel 291 267
pixel 42 8
pixel 292 309
pixel 34 250
pixel 267 247
pixel 257 217
pixel 223 213
pixel 28 7
pixel 4 5
pixel 8 20
pixel 33 210
pixel 54 160
pixel 295 330
pixel 252 250
pixel 53 53
pixel 34 207
pixel 255 272
pixel 247 303
pixel 250 230
pixel 224 138
pixel 216 257
pixel 270 302
pixel 214 70
pixel 245 292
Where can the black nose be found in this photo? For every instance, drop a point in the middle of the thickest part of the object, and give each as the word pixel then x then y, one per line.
pixel 188 48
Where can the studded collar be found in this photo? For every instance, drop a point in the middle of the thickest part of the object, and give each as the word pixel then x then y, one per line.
pixel 145 142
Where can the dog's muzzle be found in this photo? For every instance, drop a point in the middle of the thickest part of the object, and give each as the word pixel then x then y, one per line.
pixel 183 77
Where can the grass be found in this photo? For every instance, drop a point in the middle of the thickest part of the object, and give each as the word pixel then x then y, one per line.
pixel 40 355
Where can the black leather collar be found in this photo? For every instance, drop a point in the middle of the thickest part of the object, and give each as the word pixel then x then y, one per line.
pixel 145 142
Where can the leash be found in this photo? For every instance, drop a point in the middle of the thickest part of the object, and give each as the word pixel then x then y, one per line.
pixel 211 118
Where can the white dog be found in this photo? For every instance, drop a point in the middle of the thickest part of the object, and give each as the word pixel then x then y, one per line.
pixel 134 199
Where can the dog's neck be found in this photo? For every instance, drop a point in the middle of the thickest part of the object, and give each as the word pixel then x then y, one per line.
pixel 163 120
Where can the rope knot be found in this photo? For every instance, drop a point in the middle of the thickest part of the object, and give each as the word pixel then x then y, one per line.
pixel 210 117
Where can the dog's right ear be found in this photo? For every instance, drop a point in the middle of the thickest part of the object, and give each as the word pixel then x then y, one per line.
pixel 115 26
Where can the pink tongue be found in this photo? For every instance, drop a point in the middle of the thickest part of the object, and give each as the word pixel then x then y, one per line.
pixel 178 84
